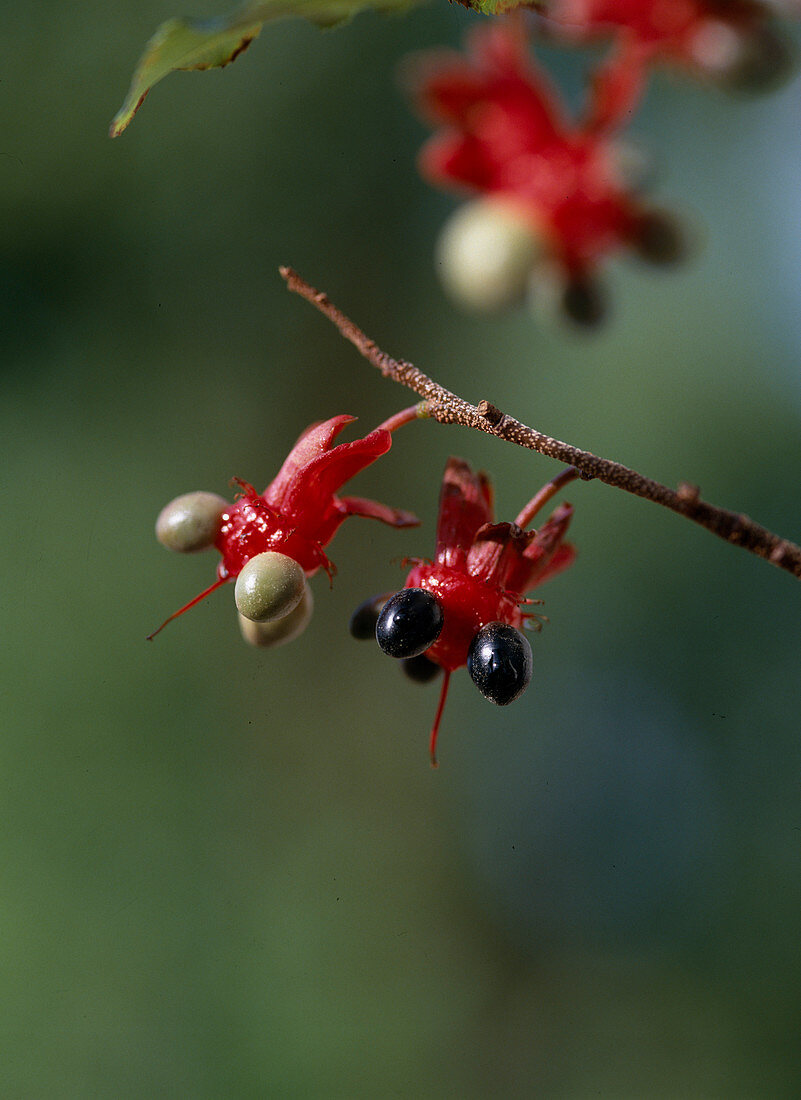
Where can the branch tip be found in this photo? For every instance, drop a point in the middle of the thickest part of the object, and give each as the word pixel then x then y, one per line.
pixel 489 412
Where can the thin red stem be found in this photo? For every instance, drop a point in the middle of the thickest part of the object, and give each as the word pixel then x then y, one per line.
pixel 540 499
pixel 406 416
pixel 432 747
pixel 207 592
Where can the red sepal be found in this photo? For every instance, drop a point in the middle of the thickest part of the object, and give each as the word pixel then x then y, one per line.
pixel 371 509
pixel 465 505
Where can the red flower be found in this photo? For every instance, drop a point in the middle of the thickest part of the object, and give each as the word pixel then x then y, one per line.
pixel 733 40
pixel 472 594
pixel 299 512
pixel 295 517
pixel 505 135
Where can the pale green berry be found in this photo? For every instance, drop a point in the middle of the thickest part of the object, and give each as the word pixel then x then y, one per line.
pixel 190 522
pixel 280 631
pixel 485 255
pixel 269 586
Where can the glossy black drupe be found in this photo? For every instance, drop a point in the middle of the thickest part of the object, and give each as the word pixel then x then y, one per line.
pixel 410 622
pixel 583 302
pixel 420 668
pixel 660 238
pixel 499 663
pixel 363 620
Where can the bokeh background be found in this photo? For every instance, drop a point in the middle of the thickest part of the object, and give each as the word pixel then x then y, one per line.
pixel 232 873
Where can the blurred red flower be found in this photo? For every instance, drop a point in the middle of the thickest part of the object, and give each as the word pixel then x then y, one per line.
pixel 504 134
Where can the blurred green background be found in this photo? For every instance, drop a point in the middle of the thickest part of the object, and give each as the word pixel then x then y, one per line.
pixel 233 873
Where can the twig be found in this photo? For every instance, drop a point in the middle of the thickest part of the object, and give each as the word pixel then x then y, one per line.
pixel 448 408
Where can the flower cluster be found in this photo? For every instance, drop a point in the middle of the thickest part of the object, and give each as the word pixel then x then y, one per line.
pixel 554 199
pixel 551 195
pixel 551 200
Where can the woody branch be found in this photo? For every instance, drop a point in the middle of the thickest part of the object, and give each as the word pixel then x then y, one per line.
pixel 448 408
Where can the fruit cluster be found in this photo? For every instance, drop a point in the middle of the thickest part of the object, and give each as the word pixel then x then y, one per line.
pixel 466 607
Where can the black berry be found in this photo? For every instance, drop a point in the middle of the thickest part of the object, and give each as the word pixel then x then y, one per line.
pixel 499 663
pixel 420 668
pixel 410 622
pixel 660 238
pixel 583 302
pixel 364 618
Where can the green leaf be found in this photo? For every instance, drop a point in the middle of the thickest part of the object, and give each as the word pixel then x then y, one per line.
pixel 500 7
pixel 188 44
